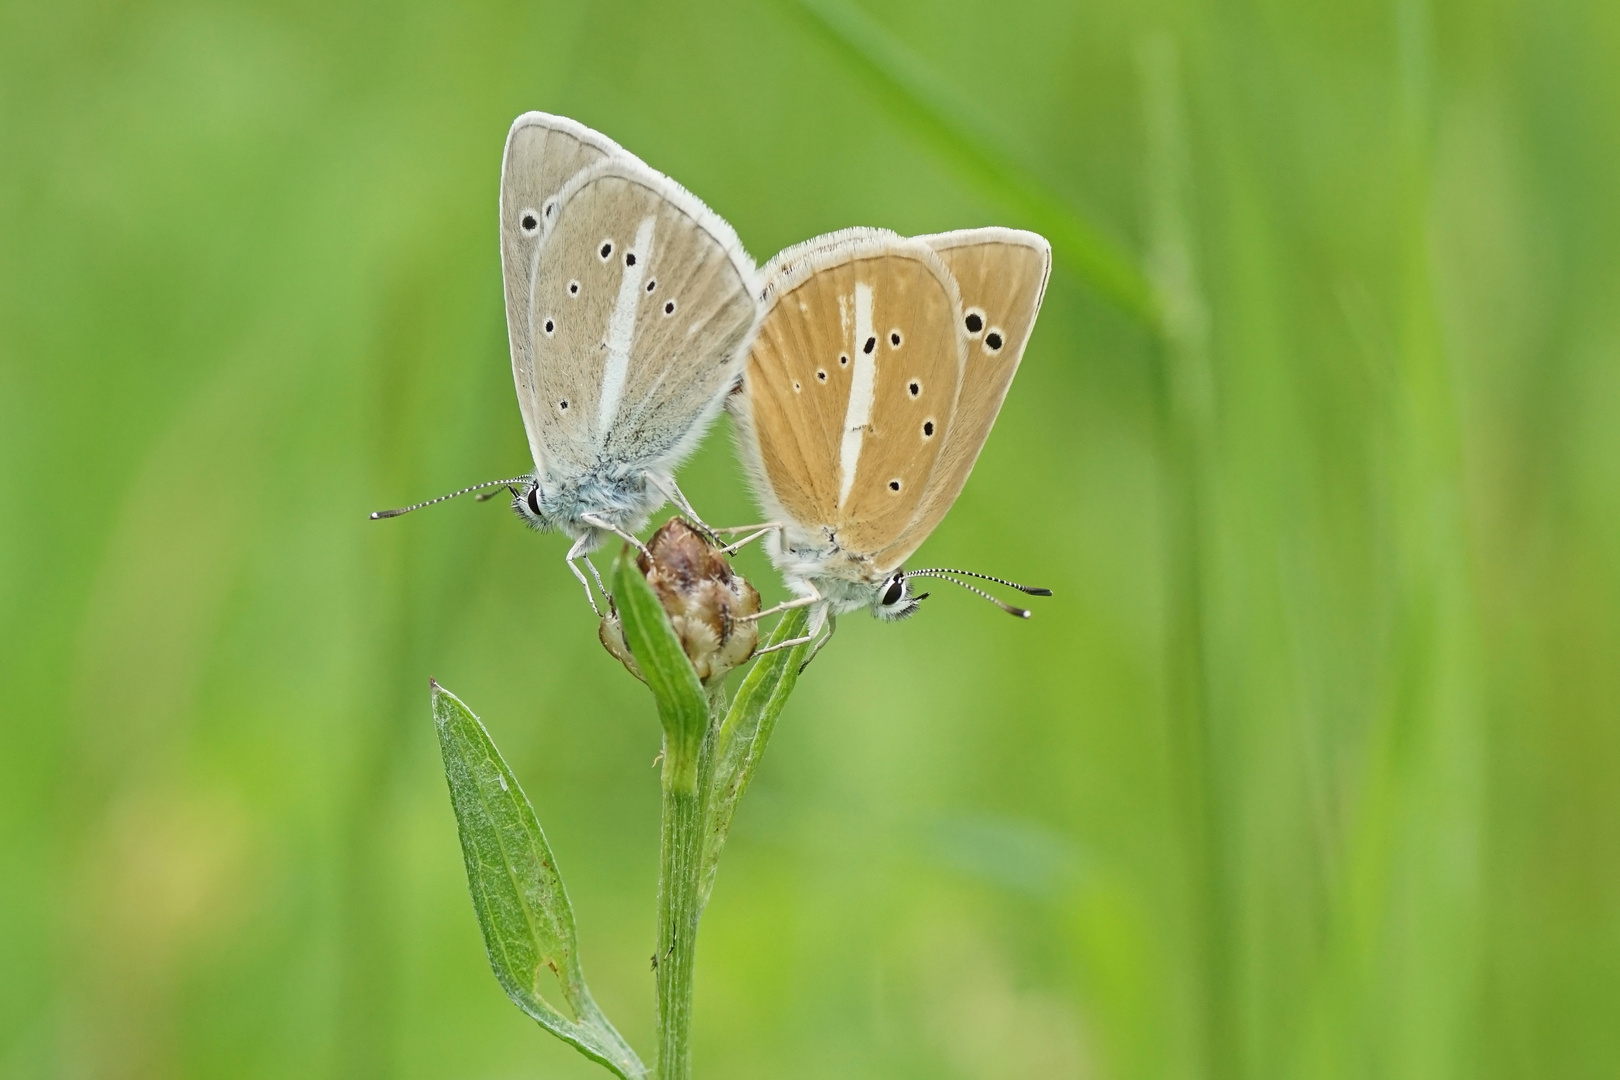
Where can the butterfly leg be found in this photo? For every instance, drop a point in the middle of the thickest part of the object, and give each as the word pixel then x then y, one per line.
pixel 821 615
pixel 786 605
pixel 675 495
pixel 597 574
pixel 598 523
pixel 788 644
pixel 576 553
pixel 815 650
pixel 761 530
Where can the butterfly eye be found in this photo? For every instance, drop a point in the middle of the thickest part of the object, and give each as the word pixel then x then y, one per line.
pixel 974 322
pixel 533 499
pixel 895 592
pixel 529 222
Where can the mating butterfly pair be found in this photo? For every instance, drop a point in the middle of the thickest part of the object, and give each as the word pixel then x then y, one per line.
pixel 868 368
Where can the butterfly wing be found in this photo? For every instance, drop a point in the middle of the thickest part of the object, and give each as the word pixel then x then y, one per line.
pixel 542 153
pixel 642 304
pixel 1002 276
pixel 850 386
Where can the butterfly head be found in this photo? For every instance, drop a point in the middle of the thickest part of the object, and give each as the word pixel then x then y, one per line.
pixel 894 599
pixel 529 503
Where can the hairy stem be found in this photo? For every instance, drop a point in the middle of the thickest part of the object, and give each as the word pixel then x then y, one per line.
pixel 687 778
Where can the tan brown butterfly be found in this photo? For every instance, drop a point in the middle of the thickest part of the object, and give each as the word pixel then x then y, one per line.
pixel 880 364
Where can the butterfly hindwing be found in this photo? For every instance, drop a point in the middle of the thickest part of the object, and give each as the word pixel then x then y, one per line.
pixel 793 403
pixel 642 301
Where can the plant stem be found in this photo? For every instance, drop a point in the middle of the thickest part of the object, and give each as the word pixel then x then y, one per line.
pixel 687 778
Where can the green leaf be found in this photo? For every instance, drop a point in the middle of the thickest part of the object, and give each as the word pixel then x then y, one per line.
pixel 682 706
pixel 957 129
pixel 517 892
pixel 746 730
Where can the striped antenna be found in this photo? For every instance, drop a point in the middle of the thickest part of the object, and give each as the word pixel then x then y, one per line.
pixel 938 572
pixel 378 515
pixel 1002 604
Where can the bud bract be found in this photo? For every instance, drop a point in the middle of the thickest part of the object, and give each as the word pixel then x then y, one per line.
pixel 705 600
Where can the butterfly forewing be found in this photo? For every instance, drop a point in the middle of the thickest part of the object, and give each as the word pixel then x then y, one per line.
pixel 641 303
pixel 858 352
pixel 1002 276
pixel 542 153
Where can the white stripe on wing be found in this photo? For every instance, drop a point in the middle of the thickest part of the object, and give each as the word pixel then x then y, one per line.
pixel 862 384
pixel 621 329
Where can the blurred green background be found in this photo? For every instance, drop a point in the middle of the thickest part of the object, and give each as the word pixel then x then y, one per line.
pixel 1310 769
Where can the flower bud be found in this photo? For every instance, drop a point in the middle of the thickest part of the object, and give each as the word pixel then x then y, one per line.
pixel 705 601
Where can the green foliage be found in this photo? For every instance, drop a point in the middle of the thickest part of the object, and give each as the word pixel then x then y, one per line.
pixel 689 752
pixel 683 708
pixel 957 126
pixel 740 742
pixel 517 892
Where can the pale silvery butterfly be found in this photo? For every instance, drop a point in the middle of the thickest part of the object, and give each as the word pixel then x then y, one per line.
pixel 629 308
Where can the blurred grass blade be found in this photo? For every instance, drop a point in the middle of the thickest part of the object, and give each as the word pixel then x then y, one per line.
pixel 1186 434
pixel 682 707
pixel 956 127
pixel 746 730
pixel 516 890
